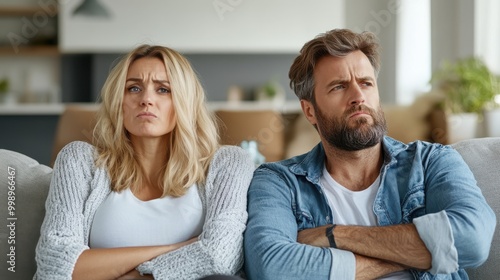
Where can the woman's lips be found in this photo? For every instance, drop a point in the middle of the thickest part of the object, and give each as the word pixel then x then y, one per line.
pixel 146 114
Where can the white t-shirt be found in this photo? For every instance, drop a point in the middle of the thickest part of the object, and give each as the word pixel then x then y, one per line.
pixel 123 220
pixel 355 208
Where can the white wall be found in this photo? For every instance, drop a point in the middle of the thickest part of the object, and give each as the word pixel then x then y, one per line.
pixel 413 50
pixel 487 33
pixel 215 26
pixel 452 25
pixel 379 17
pixel 458 29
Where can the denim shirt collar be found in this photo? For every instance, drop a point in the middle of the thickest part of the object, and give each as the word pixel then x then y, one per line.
pixel 311 164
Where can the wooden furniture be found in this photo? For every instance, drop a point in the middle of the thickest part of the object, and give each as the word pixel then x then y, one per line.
pixel 266 127
pixel 76 123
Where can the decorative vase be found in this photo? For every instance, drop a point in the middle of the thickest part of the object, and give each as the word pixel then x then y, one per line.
pixel 461 126
pixel 492 122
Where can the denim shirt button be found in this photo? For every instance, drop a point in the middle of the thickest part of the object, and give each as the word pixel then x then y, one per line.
pixel 327 218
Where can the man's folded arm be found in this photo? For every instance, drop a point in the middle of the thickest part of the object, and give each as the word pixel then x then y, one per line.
pixel 459 226
pixel 376 248
pixel 271 247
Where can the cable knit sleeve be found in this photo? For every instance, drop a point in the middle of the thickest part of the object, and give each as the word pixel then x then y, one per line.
pixel 219 249
pixel 62 235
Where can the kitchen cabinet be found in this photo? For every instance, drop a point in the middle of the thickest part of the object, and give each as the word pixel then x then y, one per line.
pixel 29 54
pixel 199 26
pixel 28 30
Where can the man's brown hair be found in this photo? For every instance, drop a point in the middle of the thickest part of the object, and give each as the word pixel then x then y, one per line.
pixel 338 43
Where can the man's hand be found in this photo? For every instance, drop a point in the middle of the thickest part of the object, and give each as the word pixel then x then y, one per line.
pixel 314 236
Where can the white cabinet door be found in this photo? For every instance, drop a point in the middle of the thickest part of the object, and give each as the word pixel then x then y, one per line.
pixel 199 26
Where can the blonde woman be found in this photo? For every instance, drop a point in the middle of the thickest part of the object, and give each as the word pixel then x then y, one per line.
pixel 155 195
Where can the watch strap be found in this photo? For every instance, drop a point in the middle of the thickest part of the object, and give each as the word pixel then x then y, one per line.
pixel 329 235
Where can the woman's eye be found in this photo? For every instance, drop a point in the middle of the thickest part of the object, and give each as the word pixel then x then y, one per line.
pixel 164 90
pixel 134 89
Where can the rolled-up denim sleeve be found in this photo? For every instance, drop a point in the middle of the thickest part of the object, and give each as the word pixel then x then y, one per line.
pixel 439 242
pixel 271 247
pixel 459 226
pixel 343 265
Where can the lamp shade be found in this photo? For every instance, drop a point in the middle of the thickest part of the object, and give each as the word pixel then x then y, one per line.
pixel 91 8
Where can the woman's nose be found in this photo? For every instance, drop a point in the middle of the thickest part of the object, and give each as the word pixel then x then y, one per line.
pixel 147 97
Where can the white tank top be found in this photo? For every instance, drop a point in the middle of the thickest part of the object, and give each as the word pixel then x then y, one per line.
pixel 123 220
pixel 355 208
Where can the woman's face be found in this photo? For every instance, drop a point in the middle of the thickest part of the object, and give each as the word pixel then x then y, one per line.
pixel 148 109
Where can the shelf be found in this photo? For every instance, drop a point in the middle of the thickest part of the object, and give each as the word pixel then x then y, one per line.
pixel 31 109
pixel 30 50
pixel 36 48
pixel 288 107
pixel 25 11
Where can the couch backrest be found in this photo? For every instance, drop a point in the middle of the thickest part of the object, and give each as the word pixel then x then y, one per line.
pixel 29 184
pixel 483 157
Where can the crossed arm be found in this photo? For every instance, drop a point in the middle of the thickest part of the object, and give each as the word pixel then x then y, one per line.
pixel 62 250
pixel 378 250
pixel 457 229
pixel 114 263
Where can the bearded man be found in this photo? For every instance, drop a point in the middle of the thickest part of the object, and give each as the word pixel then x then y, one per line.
pixel 361 205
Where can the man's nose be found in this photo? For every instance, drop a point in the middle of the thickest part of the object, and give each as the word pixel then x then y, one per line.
pixel 357 96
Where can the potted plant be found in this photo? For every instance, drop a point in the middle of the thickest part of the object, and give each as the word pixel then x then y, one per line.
pixel 468 86
pixel 271 91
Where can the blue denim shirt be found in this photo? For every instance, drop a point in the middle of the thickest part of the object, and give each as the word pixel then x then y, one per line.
pixel 422 183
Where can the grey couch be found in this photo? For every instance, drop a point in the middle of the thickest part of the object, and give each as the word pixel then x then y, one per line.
pixel 32 182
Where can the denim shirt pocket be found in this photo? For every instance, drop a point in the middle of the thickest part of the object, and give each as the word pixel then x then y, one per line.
pixel 413 204
pixel 304 220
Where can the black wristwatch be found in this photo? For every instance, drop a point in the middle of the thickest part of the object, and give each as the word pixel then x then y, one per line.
pixel 329 234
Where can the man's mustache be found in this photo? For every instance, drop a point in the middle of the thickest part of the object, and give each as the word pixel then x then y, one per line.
pixel 360 108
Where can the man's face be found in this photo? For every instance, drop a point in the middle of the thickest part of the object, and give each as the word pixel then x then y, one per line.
pixel 347 109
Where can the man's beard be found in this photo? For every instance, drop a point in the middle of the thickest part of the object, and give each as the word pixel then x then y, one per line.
pixel 357 136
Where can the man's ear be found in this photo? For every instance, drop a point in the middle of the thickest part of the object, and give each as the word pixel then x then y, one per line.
pixel 309 111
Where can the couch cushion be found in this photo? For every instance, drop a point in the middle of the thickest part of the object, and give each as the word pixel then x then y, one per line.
pixel 31 186
pixel 483 157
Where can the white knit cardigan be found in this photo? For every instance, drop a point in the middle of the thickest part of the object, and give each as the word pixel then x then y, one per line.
pixel 78 188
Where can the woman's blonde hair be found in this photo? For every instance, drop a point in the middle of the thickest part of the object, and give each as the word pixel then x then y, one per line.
pixel 193 141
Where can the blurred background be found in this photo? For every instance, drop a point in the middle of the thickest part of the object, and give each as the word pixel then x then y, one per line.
pixel 55 53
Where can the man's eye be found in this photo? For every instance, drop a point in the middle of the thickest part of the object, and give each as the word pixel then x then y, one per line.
pixel 338 87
